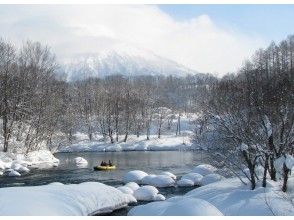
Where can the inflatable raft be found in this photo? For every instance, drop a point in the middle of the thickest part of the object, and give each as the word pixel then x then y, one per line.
pixel 104 168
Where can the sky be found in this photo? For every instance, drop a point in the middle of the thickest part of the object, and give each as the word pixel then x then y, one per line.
pixel 206 38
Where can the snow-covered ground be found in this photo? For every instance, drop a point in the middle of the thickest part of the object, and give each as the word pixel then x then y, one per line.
pixel 166 142
pixel 230 197
pixel 87 198
pixel 14 164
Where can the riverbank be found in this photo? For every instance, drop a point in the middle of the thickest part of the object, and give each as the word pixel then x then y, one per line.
pixel 230 197
pixel 134 143
pixel 88 198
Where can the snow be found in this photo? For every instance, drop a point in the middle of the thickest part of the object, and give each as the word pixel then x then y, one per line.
pixel 19 168
pixel 146 193
pixel 289 161
pixel 134 176
pixel 57 199
pixel 13 173
pixel 196 178
pixel 243 147
pixel 125 189
pixel 232 197
pixel 229 197
pixel 166 142
pixel 169 174
pixel 159 197
pixel 133 186
pixel 19 162
pixel 176 207
pixel 204 169
pixel 81 161
pixel 158 180
pixel 185 182
pixel 211 178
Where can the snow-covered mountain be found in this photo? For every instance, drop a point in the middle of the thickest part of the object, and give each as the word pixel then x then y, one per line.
pixel 123 60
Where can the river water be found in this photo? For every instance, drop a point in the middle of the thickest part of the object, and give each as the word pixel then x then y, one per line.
pixel 152 162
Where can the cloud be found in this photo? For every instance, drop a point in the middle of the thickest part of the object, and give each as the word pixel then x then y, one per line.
pixel 197 43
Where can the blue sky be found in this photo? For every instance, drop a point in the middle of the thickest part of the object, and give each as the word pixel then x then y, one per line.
pixel 273 22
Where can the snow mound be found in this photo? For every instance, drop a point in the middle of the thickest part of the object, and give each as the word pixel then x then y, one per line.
pixel 204 169
pixel 146 193
pixel 176 207
pixel 211 178
pixel 196 178
pixel 169 174
pixel 13 173
pixel 134 176
pixel 74 199
pixel 44 157
pixel 233 198
pixel 125 189
pixel 20 162
pixel 158 180
pixel 185 182
pixel 159 197
pixel 19 168
pixel 81 162
pixel 133 186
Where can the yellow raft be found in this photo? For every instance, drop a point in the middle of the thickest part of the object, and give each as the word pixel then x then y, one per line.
pixel 105 168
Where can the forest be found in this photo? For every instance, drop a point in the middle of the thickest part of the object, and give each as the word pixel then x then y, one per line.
pixel 246 115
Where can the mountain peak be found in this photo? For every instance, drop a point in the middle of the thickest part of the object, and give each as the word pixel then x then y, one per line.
pixel 123 59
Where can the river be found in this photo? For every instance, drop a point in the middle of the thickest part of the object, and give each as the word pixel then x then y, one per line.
pixel 152 162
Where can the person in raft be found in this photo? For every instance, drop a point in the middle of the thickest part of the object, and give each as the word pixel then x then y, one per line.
pixel 103 163
pixel 109 163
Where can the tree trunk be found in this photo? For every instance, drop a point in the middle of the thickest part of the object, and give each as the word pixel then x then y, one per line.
pixel 272 169
pixel 265 170
pixel 285 177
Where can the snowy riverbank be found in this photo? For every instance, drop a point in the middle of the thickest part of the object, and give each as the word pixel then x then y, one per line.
pixel 166 142
pixel 87 198
pixel 228 196
pixel 12 164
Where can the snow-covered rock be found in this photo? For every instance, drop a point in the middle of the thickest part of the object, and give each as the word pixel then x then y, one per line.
pixel 185 182
pixel 159 197
pixel 81 161
pixel 204 169
pixel 87 198
pixel 211 178
pixel 20 162
pixel 158 180
pixel 134 176
pixel 13 173
pixel 145 193
pixel 166 173
pixel 194 177
pixel 133 186
pixel 19 168
pixel 125 190
pixel 176 207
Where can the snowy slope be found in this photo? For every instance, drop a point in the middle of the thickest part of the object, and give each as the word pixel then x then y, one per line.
pixel 125 60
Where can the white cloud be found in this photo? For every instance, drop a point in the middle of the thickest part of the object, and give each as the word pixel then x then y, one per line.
pixel 197 43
